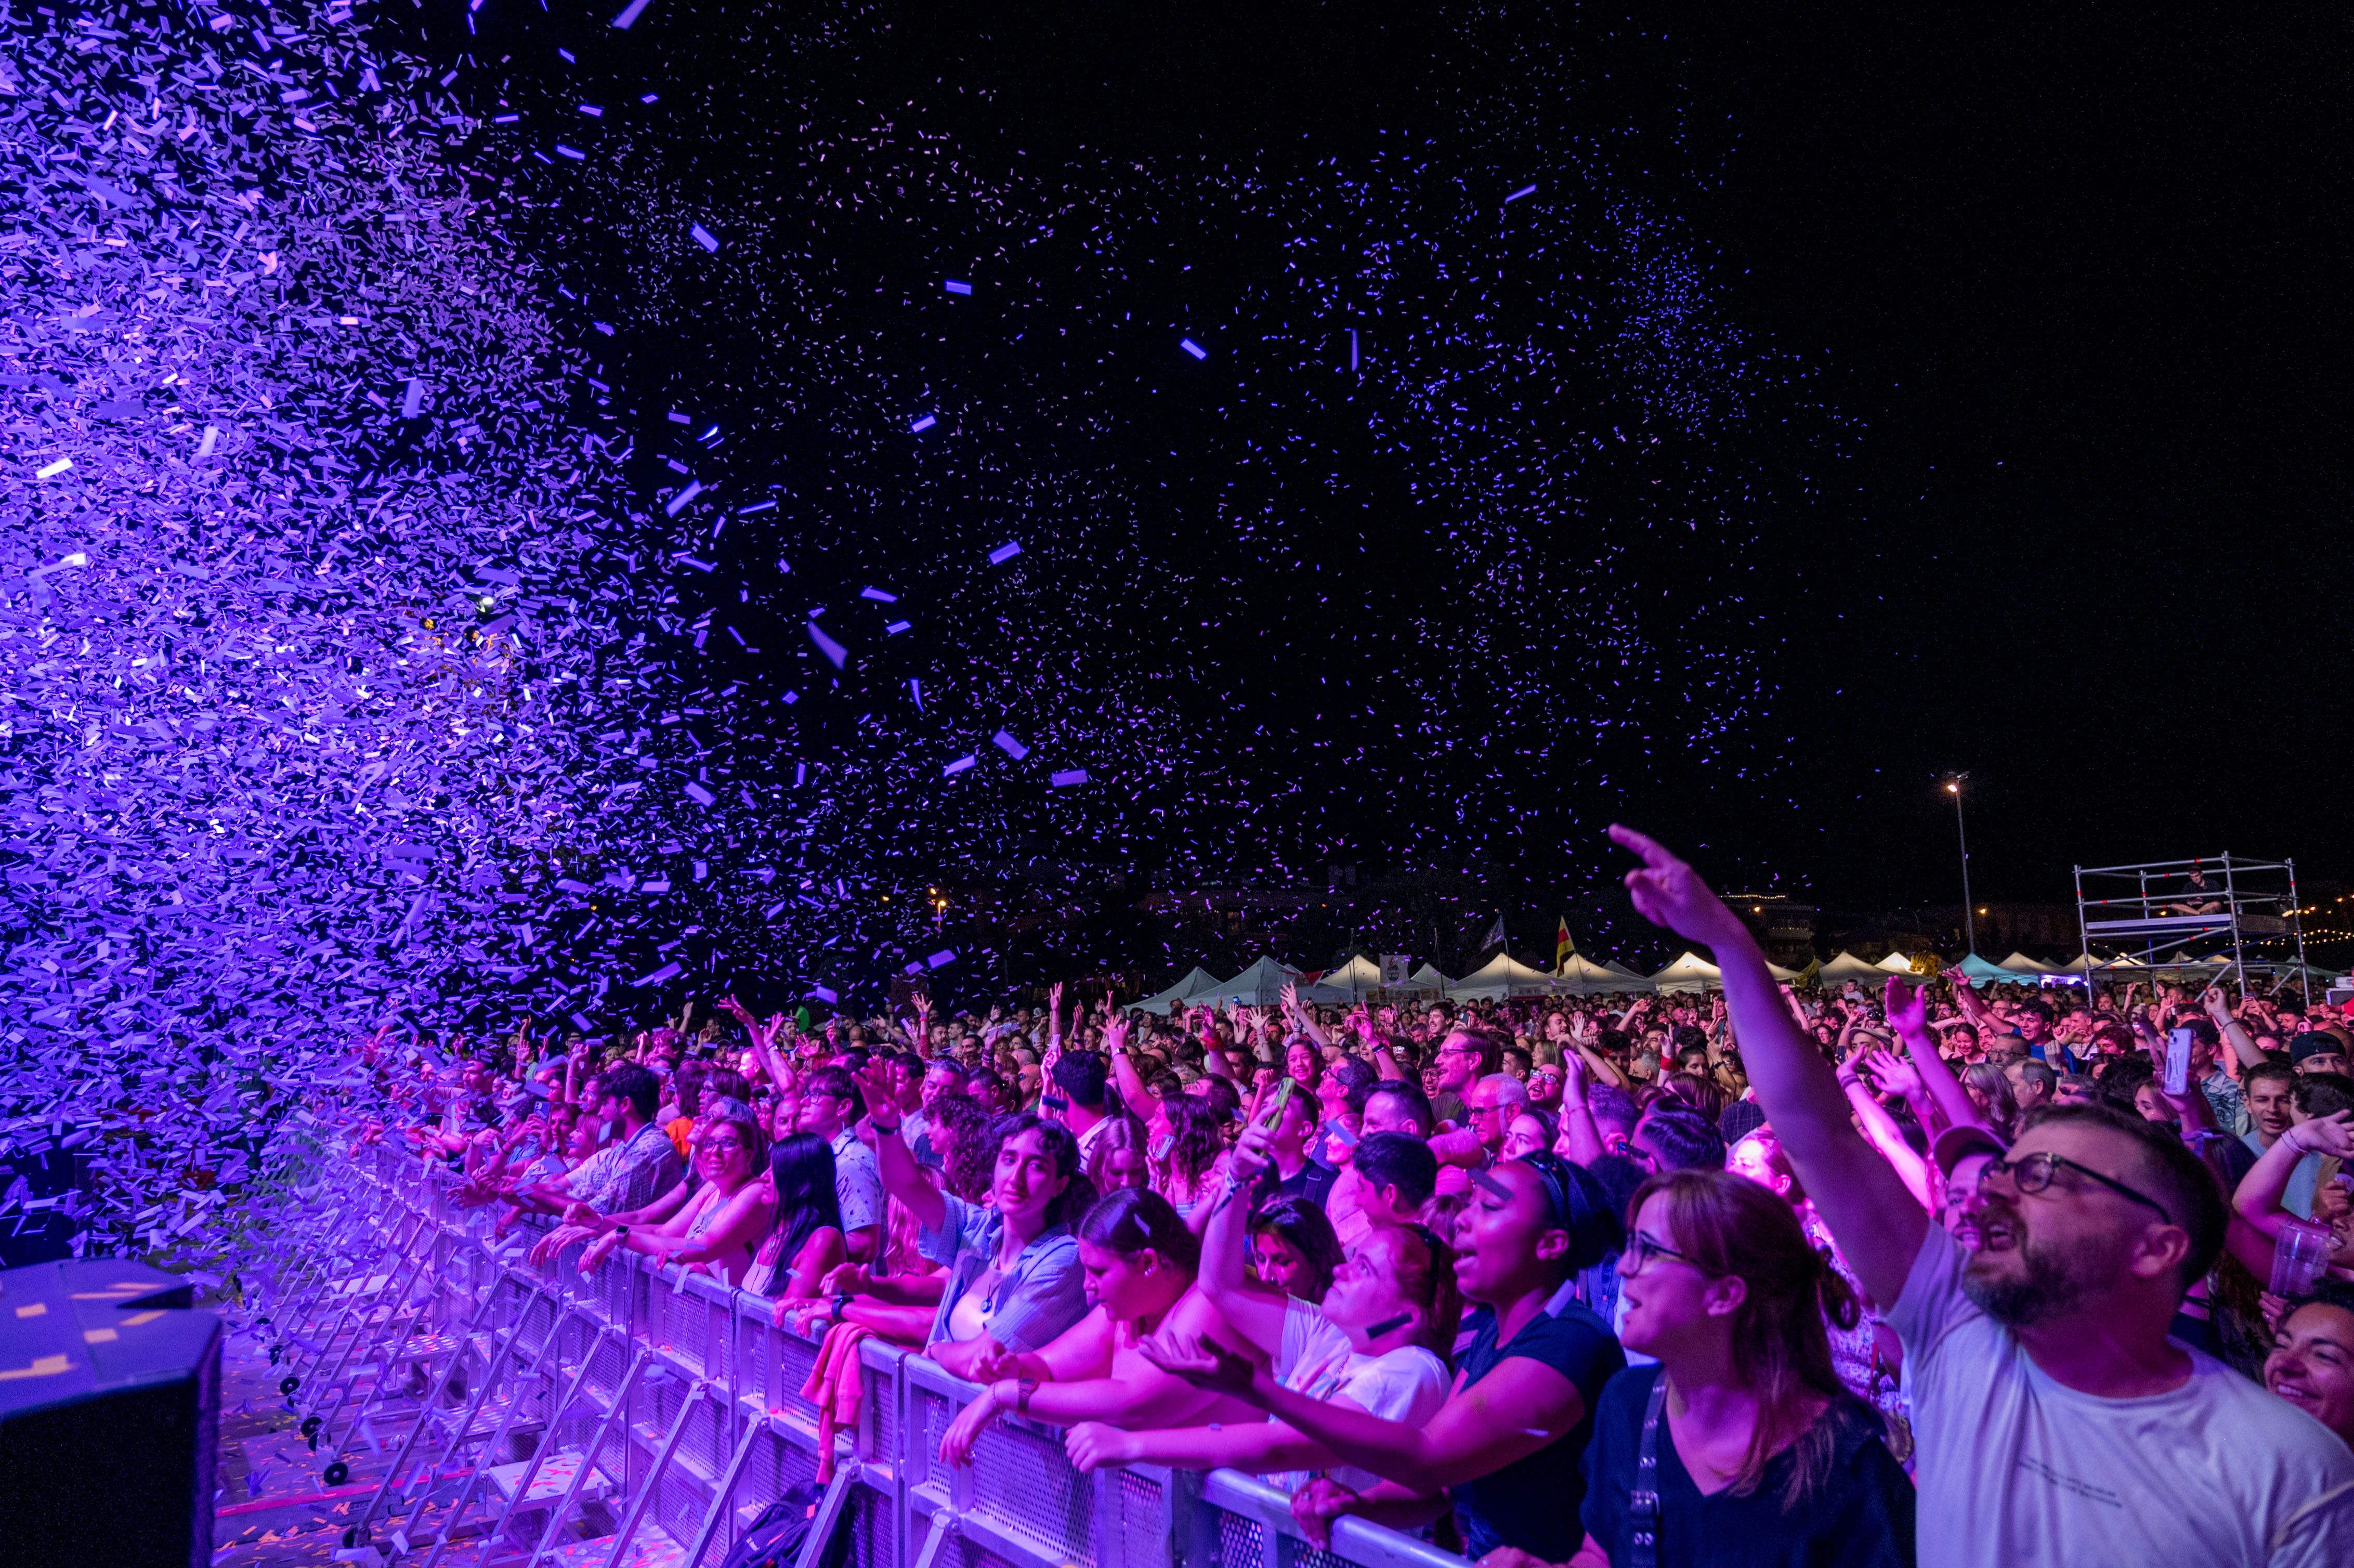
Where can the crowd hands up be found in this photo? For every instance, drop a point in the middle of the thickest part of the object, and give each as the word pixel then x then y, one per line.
pixel 1820 1254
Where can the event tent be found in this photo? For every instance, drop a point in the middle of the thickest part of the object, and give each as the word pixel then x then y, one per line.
pixel 1581 976
pixel 1261 985
pixel 1897 964
pixel 2019 963
pixel 1845 966
pixel 1351 983
pixel 1689 972
pixel 1499 977
pixel 1615 968
pixel 1426 980
pixel 1788 977
pixel 1196 981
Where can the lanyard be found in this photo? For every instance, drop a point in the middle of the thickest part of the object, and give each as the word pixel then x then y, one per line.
pixel 1643 1502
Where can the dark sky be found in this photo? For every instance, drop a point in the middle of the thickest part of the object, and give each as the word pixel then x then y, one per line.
pixel 2004 361
pixel 2082 271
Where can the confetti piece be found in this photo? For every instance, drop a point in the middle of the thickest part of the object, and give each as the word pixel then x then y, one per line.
pixel 1529 189
pixel 699 795
pixel 922 425
pixel 1003 554
pixel 705 238
pixel 835 652
pixel 666 972
pixel 960 764
pixel 55 469
pixel 1196 349
pixel 678 502
pixel 636 9
pixel 878 595
pixel 1068 777
pixel 956 288
pixel 1011 747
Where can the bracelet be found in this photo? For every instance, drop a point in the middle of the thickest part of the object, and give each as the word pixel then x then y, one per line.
pixel 1023 1389
pixel 880 1128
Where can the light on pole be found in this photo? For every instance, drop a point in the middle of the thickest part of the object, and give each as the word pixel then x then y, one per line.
pixel 1969 921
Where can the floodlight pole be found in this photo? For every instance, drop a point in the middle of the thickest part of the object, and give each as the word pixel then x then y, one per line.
pixel 1969 920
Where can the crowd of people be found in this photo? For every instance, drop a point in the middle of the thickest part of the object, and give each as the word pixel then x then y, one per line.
pixel 1753 1277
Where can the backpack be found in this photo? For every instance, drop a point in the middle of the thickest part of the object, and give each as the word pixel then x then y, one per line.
pixel 776 1536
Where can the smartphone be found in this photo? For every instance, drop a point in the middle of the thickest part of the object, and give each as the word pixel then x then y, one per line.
pixel 1336 1129
pixel 1054 1102
pixel 1162 1146
pixel 2178 1060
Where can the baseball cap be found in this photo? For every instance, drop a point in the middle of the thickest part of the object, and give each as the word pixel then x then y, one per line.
pixel 2315 1043
pixel 1956 1144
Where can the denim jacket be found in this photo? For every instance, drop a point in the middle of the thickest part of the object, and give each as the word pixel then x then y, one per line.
pixel 1042 1294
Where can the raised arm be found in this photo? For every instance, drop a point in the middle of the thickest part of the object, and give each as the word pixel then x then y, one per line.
pixel 1876 1222
pixel 1581 1140
pixel 2258 1199
pixel 2243 1048
pixel 1908 1012
pixel 903 1178
pixel 1225 1240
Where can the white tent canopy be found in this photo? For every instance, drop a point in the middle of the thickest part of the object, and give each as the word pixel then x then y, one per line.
pixel 1197 980
pixel 1845 966
pixel 1261 985
pixel 1580 976
pixel 2020 964
pixel 1499 977
pixel 1897 964
pixel 1346 984
pixel 1689 972
pixel 1427 979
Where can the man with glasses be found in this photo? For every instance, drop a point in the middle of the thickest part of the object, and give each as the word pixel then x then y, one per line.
pixel 2057 1421
pixel 1466 1055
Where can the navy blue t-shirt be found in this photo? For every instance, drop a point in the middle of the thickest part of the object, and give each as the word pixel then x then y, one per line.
pixel 1859 1515
pixel 1533 1503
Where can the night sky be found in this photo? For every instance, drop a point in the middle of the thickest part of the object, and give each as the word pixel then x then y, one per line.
pixel 1982 375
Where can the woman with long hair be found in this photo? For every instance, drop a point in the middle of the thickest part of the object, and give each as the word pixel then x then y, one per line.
pixel 1116 1156
pixel 806 1243
pixel 1014 1280
pixel 1990 1090
pixel 1508 1447
pixel 716 1229
pixel 1189 1152
pixel 1380 1344
pixel 1743 1432
pixel 1140 1261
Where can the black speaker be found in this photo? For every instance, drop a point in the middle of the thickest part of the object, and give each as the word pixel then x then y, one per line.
pixel 109 1407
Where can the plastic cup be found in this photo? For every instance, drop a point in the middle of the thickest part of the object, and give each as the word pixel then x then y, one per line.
pixel 2299 1254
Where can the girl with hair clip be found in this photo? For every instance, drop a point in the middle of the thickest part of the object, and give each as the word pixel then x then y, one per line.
pixel 1741 1445
pixel 1503 1446
pixel 1379 1344
pixel 1140 1261
pixel 1293 1248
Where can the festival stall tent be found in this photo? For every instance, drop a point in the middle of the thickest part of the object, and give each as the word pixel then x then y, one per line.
pixel 1982 972
pixel 1897 964
pixel 1845 966
pixel 1788 977
pixel 1351 983
pixel 1426 981
pixel 1689 972
pixel 1499 977
pixel 1615 968
pixel 2020 964
pixel 1580 976
pixel 1196 981
pixel 1261 985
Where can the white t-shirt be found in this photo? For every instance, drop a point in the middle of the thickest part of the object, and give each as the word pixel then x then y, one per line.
pixel 2015 1468
pixel 1315 1358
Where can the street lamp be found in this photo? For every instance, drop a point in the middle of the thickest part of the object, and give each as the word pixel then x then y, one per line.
pixel 1969 921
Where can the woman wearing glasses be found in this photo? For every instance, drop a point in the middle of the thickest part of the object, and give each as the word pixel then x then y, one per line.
pixel 719 1227
pixel 1506 1445
pixel 1741 1445
pixel 1378 1343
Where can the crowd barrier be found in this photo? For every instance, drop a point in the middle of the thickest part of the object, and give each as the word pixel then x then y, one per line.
pixel 638 1418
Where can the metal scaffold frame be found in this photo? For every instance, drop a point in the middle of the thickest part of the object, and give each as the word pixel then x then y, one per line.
pixel 2203 913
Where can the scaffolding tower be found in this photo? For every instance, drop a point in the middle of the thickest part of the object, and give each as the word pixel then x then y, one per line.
pixel 2204 914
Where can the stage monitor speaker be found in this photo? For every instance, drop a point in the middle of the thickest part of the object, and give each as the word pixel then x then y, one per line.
pixel 109 1407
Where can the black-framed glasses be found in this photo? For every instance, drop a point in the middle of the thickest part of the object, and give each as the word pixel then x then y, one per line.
pixel 1639 1252
pixel 2032 1173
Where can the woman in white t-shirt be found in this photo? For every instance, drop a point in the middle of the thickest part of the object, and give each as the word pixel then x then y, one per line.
pixel 1380 1342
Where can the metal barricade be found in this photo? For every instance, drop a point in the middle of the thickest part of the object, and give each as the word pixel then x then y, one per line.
pixel 643 1418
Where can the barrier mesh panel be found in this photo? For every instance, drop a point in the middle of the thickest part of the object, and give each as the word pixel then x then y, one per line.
pixel 1020 1475
pixel 1242 1542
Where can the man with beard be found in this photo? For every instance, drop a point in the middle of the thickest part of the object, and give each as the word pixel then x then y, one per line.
pixel 2056 1420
